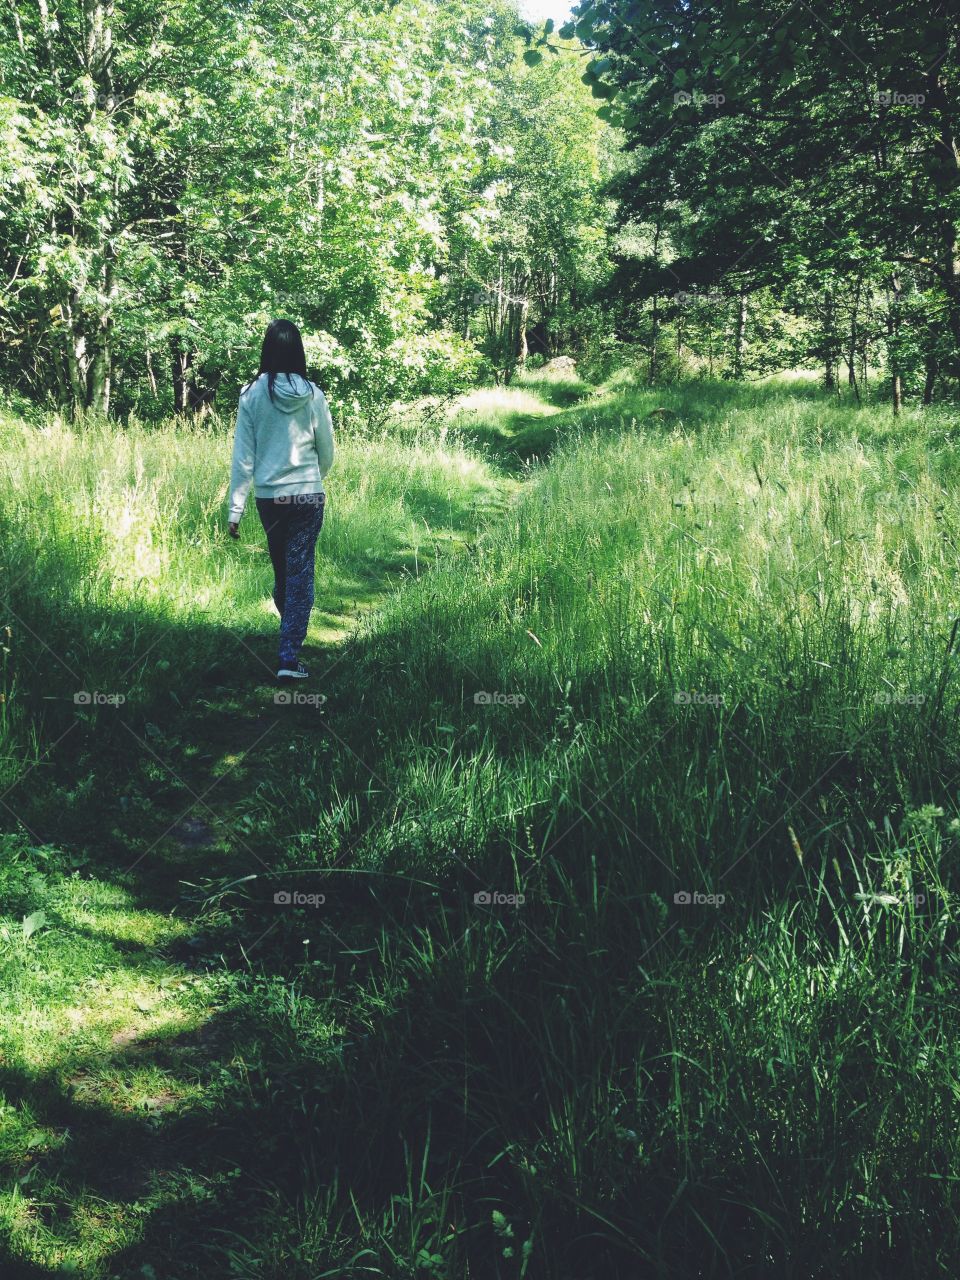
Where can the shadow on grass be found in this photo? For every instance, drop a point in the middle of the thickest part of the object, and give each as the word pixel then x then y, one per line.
pixel 399 1103
pixel 560 392
pixel 161 1172
pixel 515 438
pixel 477 1064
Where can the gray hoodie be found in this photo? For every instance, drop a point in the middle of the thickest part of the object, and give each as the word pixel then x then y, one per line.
pixel 282 446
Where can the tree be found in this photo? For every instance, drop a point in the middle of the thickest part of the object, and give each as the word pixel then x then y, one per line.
pixel 175 177
pixel 801 135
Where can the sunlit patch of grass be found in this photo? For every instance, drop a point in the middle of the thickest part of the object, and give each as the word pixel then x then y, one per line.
pixel 491 403
pixel 147 1090
pixel 74 1236
pixel 80 963
pixel 108 911
pixel 95 1025
pixel 74 994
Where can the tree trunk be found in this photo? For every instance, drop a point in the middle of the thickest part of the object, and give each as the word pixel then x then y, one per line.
pixel 46 31
pixel 76 354
pixel 829 329
pixel 852 340
pixel 652 369
pixel 180 361
pixel 21 43
pixel 740 339
pixel 468 297
pixel 89 328
pixel 99 399
pixel 679 346
pixel 101 366
pixel 523 349
pixel 931 369
pixel 893 326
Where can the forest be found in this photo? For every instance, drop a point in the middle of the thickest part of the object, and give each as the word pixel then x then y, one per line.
pixel 438 193
pixel 589 912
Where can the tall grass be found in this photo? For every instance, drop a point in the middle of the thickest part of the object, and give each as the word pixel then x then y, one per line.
pixel 722 626
pixel 691 693
pixel 770 595
pixel 118 576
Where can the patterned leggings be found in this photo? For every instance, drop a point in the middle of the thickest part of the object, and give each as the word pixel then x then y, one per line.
pixel 292 525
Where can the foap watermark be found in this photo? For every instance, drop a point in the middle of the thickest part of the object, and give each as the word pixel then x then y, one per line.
pixel 485 296
pixel 94 698
pixel 694 898
pixel 882 899
pixel 296 898
pixel 694 698
pixel 493 898
pixel 895 697
pixel 484 699
pixel 893 98
pixel 92 100
pixel 295 698
pixel 706 298
pixel 683 98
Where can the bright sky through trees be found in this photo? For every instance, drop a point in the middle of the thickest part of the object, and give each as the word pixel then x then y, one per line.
pixel 540 10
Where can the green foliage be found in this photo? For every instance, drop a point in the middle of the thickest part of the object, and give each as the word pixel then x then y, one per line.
pixel 770 159
pixel 533 248
pixel 173 179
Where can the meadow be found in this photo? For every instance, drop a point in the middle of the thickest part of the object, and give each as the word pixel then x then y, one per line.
pixel 591 913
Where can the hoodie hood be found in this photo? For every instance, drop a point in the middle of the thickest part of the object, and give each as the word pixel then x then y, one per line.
pixel 290 391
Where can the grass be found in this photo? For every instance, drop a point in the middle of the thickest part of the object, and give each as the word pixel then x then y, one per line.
pixel 675 668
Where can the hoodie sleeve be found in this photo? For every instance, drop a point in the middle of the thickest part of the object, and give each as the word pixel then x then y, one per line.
pixel 244 453
pixel 323 435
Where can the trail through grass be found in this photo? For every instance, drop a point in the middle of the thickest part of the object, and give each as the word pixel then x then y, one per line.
pixel 676 669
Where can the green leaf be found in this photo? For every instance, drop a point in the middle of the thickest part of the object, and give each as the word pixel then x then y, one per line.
pixel 532 57
pixel 500 1223
pixel 32 923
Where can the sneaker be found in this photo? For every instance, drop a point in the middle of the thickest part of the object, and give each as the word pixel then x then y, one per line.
pixel 292 671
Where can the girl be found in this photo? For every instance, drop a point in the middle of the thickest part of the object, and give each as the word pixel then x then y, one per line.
pixel 284 447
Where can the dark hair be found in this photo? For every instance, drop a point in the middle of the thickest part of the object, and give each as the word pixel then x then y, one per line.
pixel 282 352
